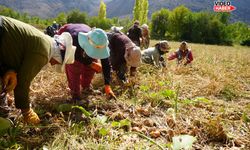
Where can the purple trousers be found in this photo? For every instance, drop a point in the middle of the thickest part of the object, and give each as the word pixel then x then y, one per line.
pixel 79 76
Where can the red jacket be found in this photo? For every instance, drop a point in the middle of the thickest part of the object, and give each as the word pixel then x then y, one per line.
pixel 182 56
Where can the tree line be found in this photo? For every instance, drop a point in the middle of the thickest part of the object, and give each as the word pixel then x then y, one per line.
pixel 198 27
pixel 178 24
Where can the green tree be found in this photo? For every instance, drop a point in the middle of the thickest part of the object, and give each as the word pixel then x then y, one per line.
pixel 102 10
pixel 61 18
pixel 224 17
pixel 179 17
pixel 75 16
pixel 160 23
pixel 100 23
pixel 238 32
pixel 144 12
pixel 136 10
pixel 140 11
pixel 216 34
pixel 200 27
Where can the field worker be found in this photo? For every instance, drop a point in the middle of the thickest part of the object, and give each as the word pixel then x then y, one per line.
pixel 123 53
pixel 154 55
pixel 92 44
pixel 145 36
pixel 24 50
pixel 183 54
pixel 135 33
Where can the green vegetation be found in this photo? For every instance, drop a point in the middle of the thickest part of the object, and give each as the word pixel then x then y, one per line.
pixel 199 27
pixel 207 103
pixel 205 106
pixel 140 11
pixel 102 10
pixel 178 24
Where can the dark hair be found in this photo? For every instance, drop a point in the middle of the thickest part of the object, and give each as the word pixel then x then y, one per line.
pixel 62 52
pixel 157 45
pixel 137 22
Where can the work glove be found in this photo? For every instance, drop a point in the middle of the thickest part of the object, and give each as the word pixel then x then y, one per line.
pixel 109 92
pixel 9 81
pixel 30 117
pixel 96 66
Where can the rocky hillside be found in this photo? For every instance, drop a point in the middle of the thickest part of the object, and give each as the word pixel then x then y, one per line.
pixel 117 8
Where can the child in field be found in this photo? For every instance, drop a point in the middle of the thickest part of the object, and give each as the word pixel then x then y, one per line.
pixel 154 55
pixel 183 54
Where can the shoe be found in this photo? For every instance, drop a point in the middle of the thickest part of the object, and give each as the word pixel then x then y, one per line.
pixel 90 90
pixel 30 117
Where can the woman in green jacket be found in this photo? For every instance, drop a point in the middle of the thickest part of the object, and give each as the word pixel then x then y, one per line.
pixel 24 50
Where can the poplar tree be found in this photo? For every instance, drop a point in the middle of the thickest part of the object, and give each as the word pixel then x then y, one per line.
pixel 102 10
pixel 144 11
pixel 140 11
pixel 136 11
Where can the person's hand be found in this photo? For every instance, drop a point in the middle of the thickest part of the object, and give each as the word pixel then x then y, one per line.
pixel 109 92
pixel 96 66
pixel 9 81
pixel 30 117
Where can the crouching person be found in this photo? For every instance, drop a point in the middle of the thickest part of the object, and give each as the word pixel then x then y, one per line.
pixel 183 55
pixel 123 54
pixel 154 55
pixel 24 50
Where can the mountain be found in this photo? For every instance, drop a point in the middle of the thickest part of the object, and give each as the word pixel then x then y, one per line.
pixel 118 8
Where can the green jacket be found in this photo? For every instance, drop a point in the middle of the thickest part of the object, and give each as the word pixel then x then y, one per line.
pixel 26 50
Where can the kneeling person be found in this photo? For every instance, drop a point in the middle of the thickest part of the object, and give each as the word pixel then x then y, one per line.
pixel 154 55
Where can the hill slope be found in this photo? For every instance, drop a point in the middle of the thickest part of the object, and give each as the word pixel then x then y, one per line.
pixel 117 8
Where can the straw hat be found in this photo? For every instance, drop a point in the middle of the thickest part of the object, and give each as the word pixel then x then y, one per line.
pixel 95 43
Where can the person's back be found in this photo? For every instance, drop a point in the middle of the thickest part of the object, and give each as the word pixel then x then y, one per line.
pixel 74 29
pixel 24 51
pixel 117 45
pixel 121 47
pixel 20 34
pixel 135 33
pixel 145 36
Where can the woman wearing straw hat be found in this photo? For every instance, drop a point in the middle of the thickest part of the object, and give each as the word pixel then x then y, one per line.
pixel 24 50
pixel 91 46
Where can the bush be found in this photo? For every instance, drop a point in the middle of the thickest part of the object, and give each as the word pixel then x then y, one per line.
pixel 245 42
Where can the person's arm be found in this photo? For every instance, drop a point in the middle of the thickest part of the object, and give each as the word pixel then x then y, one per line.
pixel 62 29
pixel 30 67
pixel 106 67
pixel 172 56
pixel 189 58
pixel 106 71
pixel 9 81
pixel 156 59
